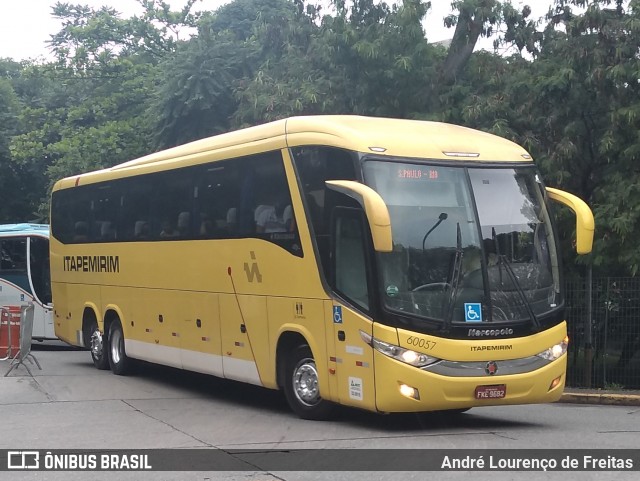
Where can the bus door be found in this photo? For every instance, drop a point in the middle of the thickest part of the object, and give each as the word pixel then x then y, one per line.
pixel 40 281
pixel 351 282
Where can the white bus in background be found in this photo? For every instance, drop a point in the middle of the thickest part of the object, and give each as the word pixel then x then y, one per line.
pixel 25 273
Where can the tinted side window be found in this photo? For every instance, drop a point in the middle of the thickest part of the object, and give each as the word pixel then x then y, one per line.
pixel 135 209
pixel 273 216
pixel 218 197
pixel 243 197
pixel 315 165
pixel 350 257
pixel 13 261
pixel 247 197
pixel 172 212
pixel 71 217
pixel 104 206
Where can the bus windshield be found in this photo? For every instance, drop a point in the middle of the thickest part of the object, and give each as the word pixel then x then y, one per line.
pixel 470 245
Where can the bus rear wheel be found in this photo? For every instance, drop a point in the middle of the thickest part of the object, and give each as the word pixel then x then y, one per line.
pixel 301 385
pixel 118 360
pixel 97 347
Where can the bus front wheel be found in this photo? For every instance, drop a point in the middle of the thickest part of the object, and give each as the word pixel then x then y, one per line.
pixel 301 385
pixel 118 359
pixel 97 347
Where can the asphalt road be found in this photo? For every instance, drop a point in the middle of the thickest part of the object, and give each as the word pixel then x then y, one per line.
pixel 71 405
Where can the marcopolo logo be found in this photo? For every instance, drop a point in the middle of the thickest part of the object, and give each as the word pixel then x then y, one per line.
pixel 490 332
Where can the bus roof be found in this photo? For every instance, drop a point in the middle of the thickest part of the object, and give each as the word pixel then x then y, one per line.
pixel 382 136
pixel 7 230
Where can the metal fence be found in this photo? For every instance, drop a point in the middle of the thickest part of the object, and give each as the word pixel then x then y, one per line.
pixel 605 351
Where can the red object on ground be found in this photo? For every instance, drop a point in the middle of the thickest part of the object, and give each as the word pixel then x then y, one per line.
pixel 9 321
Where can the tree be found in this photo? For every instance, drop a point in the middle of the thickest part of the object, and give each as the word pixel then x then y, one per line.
pixel 12 192
pixel 195 94
pixel 576 107
pixel 90 36
pixel 368 58
pixel 87 110
pixel 475 18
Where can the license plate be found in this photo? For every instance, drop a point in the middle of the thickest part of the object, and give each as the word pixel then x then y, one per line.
pixel 495 391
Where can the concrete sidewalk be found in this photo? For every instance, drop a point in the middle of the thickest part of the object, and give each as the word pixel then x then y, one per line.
pixel 600 396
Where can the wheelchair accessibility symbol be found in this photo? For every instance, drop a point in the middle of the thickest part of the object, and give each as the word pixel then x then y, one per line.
pixel 337 314
pixel 473 312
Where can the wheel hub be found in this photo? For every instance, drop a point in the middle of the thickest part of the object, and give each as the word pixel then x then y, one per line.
pixel 115 346
pixel 305 382
pixel 96 343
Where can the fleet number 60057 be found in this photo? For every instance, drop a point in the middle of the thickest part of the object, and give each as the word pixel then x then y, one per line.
pixel 421 342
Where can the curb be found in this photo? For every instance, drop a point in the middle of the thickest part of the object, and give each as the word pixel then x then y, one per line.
pixel 601 398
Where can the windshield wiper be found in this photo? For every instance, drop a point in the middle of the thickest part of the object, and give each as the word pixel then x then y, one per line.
pixel 503 261
pixel 455 278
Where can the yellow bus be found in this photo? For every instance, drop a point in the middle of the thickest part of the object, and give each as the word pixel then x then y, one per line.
pixel 390 265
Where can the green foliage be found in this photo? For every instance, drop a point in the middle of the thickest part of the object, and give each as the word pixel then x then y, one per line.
pixel 11 188
pixel 90 36
pixel 88 109
pixel 368 59
pixel 119 87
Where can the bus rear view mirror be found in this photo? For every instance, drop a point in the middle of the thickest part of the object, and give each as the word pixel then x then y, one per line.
pixel 374 207
pixel 584 218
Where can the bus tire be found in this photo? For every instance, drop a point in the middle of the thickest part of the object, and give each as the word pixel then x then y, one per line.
pixel 118 360
pixel 97 347
pixel 301 385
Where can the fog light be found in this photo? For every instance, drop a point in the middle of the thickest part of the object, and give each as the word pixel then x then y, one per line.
pixel 409 391
pixel 555 383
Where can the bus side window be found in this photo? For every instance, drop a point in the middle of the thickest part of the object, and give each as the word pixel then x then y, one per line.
pixel 6 262
pixel 134 209
pixel 81 232
pixel 350 267
pixel 13 266
pixel 173 195
pixel 107 232
pixel 272 217
pixel 314 165
pixel 184 225
pixel 218 199
pixel 141 230
pixel 80 215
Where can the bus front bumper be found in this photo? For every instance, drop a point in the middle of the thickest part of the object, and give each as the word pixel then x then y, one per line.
pixel 404 388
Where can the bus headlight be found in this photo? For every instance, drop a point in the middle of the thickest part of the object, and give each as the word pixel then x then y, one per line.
pixel 407 356
pixel 555 351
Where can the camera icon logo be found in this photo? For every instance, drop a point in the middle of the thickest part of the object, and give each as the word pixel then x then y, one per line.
pixel 23 460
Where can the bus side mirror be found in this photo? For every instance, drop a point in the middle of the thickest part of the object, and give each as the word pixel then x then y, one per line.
pixel 584 218
pixel 374 208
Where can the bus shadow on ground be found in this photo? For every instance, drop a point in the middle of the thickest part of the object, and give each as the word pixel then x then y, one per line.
pixel 272 402
pixel 52 346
